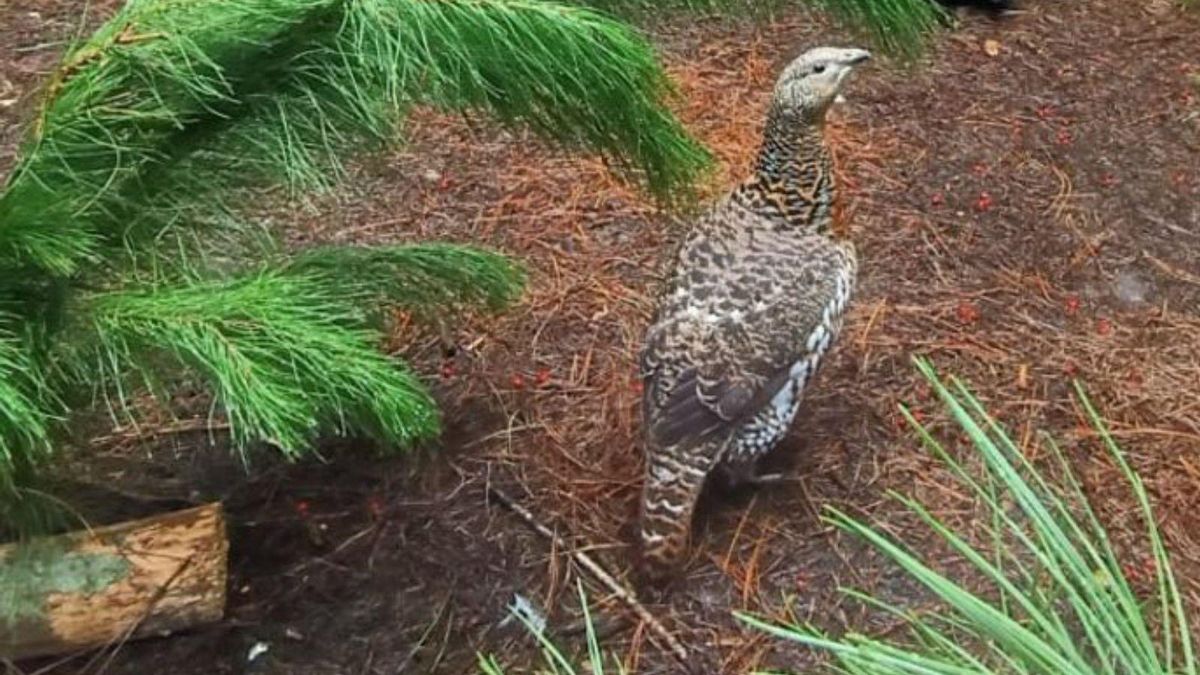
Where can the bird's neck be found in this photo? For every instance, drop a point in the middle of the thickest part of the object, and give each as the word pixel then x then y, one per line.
pixel 792 185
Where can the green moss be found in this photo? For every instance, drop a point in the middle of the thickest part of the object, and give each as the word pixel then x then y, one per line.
pixel 34 570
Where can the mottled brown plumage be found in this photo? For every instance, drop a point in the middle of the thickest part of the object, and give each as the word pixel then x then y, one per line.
pixel 754 301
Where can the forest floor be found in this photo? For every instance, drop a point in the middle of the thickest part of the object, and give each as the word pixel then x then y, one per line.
pixel 1026 203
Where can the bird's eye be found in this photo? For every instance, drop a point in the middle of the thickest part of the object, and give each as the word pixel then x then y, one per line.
pixel 819 68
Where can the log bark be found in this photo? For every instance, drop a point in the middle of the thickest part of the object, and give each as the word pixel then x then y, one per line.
pixel 134 579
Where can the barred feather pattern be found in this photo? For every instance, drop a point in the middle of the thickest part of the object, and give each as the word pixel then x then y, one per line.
pixel 754 302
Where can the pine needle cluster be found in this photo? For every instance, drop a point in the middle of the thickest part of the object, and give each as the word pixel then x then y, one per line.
pixel 901 27
pixel 127 262
pixel 898 27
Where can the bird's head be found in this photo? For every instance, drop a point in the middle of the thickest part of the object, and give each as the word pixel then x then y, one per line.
pixel 810 84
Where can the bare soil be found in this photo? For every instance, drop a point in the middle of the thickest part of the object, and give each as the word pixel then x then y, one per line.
pixel 1027 205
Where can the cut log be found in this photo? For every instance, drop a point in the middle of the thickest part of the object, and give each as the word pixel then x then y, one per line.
pixel 134 579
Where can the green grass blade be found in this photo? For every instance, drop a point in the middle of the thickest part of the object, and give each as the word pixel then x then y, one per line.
pixel 1170 601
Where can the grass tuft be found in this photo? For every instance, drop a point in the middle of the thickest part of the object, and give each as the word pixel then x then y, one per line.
pixel 1057 600
pixel 553 656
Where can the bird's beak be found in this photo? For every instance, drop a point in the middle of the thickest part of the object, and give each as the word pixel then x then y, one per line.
pixel 856 56
pixel 852 58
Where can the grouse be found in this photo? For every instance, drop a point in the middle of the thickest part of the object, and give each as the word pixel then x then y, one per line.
pixel 755 299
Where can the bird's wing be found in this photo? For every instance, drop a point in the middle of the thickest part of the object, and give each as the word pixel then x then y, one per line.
pixel 725 341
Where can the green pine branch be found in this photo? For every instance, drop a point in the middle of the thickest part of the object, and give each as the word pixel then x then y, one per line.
pixel 574 76
pixel 654 8
pixel 27 407
pixel 286 358
pixel 172 103
pixel 423 276
pixel 287 349
pixel 29 411
pixel 900 27
pixel 126 262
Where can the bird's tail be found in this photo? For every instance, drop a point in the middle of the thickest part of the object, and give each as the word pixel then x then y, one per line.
pixel 672 488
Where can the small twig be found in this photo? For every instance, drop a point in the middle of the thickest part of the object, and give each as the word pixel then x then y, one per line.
pixel 623 593
pixel 328 558
pixel 1172 270
pixel 41 46
pixel 140 434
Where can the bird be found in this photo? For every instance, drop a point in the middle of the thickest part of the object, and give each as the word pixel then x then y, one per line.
pixel 754 297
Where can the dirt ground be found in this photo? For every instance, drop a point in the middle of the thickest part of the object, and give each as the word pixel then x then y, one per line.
pixel 1027 207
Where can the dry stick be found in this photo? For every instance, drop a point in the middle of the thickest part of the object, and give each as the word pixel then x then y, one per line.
pixel 623 593
pixel 180 427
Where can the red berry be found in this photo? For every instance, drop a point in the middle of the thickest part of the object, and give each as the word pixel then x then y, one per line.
pixel 937 199
pixel 448 370
pixel 1135 378
pixel 1072 305
pixel 1108 179
pixel 1064 137
pixel 1046 112
pixel 542 378
pixel 967 312
pixel 638 387
pixel 517 381
pixel 302 507
pixel 984 202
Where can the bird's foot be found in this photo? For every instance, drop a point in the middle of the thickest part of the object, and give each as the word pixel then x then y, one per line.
pixel 736 480
pixel 761 479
